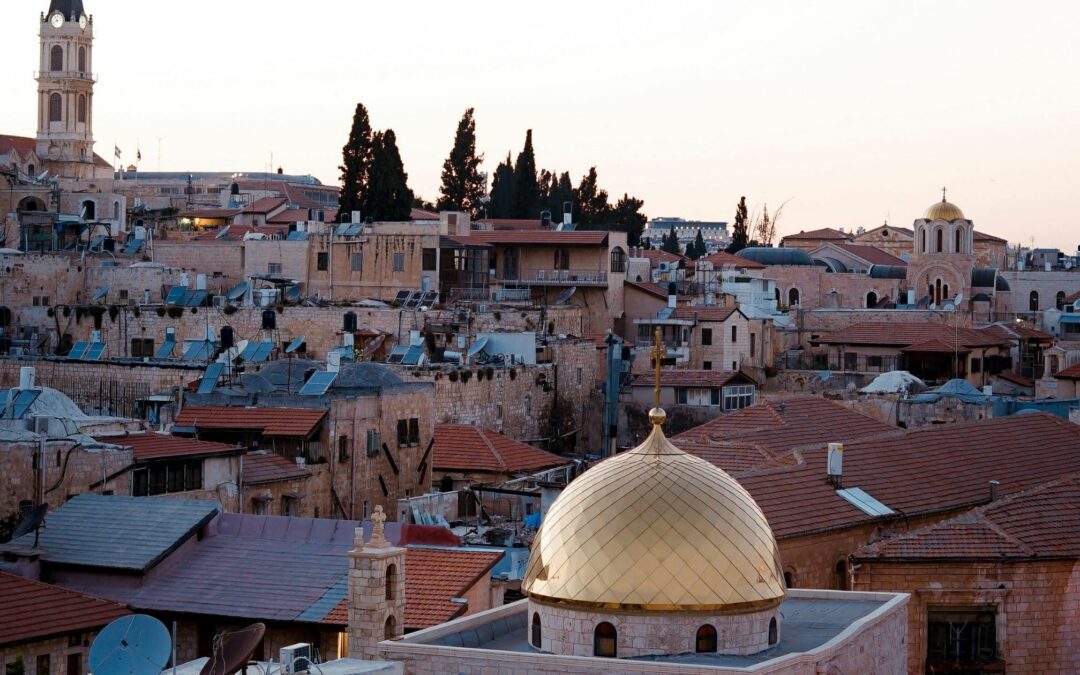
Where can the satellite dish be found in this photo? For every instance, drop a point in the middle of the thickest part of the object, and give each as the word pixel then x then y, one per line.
pixel 959 299
pixel 933 305
pixel 31 522
pixel 131 645
pixel 233 651
pixel 43 176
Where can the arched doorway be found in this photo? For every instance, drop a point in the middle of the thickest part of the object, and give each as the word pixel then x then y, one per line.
pixel 871 300
pixel 605 640
pixel 88 210
pixel 391 627
pixel 31 204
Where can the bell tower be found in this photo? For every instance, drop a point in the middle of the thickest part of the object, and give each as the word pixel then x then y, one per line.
pixel 65 138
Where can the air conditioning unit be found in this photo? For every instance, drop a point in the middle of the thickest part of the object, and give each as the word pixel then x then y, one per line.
pixel 296 658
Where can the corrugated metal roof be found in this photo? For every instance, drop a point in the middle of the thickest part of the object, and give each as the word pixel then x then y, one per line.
pixel 116 532
pixel 35 611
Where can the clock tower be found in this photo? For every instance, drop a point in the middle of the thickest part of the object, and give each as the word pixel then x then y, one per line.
pixel 65 138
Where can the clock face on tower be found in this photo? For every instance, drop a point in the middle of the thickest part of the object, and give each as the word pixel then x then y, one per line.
pixel 57 19
pixel 82 22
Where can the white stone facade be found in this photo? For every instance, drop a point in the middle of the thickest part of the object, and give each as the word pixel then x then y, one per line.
pixel 570 631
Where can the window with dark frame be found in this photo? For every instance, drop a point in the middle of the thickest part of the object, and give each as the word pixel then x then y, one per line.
pixel 706 639
pixel 408 432
pixel 706 336
pixel 429 259
pixel 322 261
pixel 399 262
pixel 343 449
pixel 681 395
pixel 961 636
pixel 43 664
pixel 605 640
pixel 536 630
pixel 734 333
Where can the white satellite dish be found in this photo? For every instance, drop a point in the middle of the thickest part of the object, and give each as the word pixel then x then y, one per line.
pixel 933 305
pixel 959 299
pixel 43 176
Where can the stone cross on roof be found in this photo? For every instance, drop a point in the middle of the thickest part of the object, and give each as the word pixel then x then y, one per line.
pixel 657 353
pixel 378 537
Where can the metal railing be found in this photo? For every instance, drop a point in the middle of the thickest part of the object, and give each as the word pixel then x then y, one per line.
pixel 554 277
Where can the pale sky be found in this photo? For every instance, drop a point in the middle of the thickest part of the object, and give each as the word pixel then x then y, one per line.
pixel 853 110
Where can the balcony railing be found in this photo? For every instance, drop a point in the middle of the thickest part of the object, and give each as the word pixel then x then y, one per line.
pixel 553 277
pixel 66 74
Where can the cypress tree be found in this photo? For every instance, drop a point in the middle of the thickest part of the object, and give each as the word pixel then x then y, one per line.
pixel 739 235
pixel 628 216
pixel 526 187
pixel 671 243
pixel 355 167
pixel 462 185
pixel 700 249
pixel 502 191
pixel 388 197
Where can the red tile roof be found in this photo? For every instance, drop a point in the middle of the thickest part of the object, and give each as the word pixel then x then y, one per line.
pixel 161 446
pixel 268 467
pixel 703 313
pixel 423 214
pixel 542 238
pixel 763 435
pixel 467 448
pixel 1070 373
pixel 210 213
pixel 1018 331
pixel 904 334
pixel 872 254
pixel 930 470
pixel 35 611
pixel 291 422
pixel 723 259
pixel 825 233
pixel 1016 379
pixel 1042 522
pixel 432 577
pixel 289 216
pixel 655 256
pixel 936 346
pixel 677 377
pixel 266 205
pixel 655 290
pixel 982 236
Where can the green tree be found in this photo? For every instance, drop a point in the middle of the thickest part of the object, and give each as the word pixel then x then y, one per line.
pixel 355 167
pixel 388 196
pixel 462 185
pixel 646 244
pixel 628 217
pixel 526 186
pixel 591 201
pixel 561 192
pixel 740 237
pixel 502 191
pixel 697 248
pixel 671 243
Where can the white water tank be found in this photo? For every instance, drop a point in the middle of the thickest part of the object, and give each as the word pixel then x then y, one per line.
pixel 26 377
pixel 836 460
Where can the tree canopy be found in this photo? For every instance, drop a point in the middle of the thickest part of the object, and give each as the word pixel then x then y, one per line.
pixel 356 158
pixel 463 185
pixel 388 195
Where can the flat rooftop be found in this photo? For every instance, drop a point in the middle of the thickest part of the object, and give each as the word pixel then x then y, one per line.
pixel 811 619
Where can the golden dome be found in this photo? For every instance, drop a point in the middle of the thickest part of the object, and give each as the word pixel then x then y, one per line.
pixel 656 529
pixel 944 210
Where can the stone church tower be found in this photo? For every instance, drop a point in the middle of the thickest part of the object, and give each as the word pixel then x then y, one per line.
pixel 376 591
pixel 65 137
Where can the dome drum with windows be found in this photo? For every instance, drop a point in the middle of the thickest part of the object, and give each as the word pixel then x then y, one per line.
pixel 659 545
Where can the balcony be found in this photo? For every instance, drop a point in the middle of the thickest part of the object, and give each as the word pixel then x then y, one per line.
pixel 65 74
pixel 553 277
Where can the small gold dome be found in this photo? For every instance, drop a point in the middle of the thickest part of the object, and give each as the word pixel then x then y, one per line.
pixel 944 210
pixel 656 529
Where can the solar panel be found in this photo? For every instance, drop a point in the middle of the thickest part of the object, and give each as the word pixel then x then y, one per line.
pixel 95 352
pixel 210 378
pixel 165 350
pixel 296 236
pixel 78 350
pixel 97 242
pixel 861 500
pixel 198 351
pixel 3 401
pixel 23 400
pixel 195 298
pixel 413 356
pixel 318 384
pixel 257 352
pixel 402 296
pixel 340 230
pixel 354 230
pixel 176 295
pixel 397 354
pixel 294 345
pixel 133 247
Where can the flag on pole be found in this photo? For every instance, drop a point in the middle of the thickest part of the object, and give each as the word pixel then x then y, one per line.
pixel 116 151
pixel 138 154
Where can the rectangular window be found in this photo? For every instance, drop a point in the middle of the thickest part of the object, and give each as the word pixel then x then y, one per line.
pixel 43 664
pixel 738 397
pixel 734 333
pixel 960 636
pixel 707 365
pixel 706 336
pixel 356 262
pixel 976 365
pixel 258 507
pixel 751 345
pixel 399 262
pixel 142 348
pixel 74 663
pixel 408 432
pixel 429 259
pixel 372 443
pixel 123 294
pixel 714 396
pixel 680 395
pixel 322 261
pixel 289 506
pixel 342 448
pixel 167 477
pixel 851 361
pixel 414 431
pixel 15 667
pixel 874 362
pixel 273 268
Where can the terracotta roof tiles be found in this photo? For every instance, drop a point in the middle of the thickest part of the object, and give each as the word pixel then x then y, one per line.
pixel 290 422
pixel 872 254
pixel 1070 373
pixel 703 313
pixel 825 233
pixel 35 611
pixel 468 448
pixel 905 334
pixel 150 446
pixel 268 467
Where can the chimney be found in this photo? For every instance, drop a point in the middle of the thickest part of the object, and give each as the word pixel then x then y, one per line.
pixel 995 490
pixel 836 463
pixel 376 596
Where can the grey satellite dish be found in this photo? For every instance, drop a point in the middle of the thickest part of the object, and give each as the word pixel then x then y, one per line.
pixel 43 176
pixel 131 645
pixel 933 305
pixel 31 522
pixel 959 299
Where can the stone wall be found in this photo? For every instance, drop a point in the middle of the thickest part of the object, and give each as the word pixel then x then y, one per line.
pixel 90 385
pixel 221 261
pixel 70 470
pixel 570 631
pixel 818 288
pixel 1036 603
pixel 57 650
pixel 1046 284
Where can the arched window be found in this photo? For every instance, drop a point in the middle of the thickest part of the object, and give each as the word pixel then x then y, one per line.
pixel 391 627
pixel 30 169
pixel 789 580
pixel 1053 360
pixel 841 576
pixel 793 297
pixel 81 112
pixel 773 633
pixel 871 300
pixel 945 297
pixel 89 210
pixel 391 580
pixel 82 59
pixel 56 108
pixel 706 639
pixel 777 295
pixel 1060 300
pixel 937 291
pixel 116 210
pixel 923 247
pixel 618 260
pixel 1033 301
pixel 56 58
pixel 957 250
pixel 536 630
pixel 940 241
pixel 605 640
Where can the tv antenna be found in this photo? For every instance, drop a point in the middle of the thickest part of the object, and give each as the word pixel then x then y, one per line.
pixel 233 650
pixel 132 645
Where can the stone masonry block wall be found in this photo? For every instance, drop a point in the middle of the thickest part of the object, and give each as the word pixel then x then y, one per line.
pixel 69 470
pixel 57 649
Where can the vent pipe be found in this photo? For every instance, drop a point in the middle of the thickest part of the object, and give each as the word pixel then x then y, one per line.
pixel 836 463
pixel 995 490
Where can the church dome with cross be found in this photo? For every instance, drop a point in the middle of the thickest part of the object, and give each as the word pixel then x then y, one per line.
pixel 655 535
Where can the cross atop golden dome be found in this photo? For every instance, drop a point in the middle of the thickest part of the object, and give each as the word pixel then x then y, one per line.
pixel 944 210
pixel 657 414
